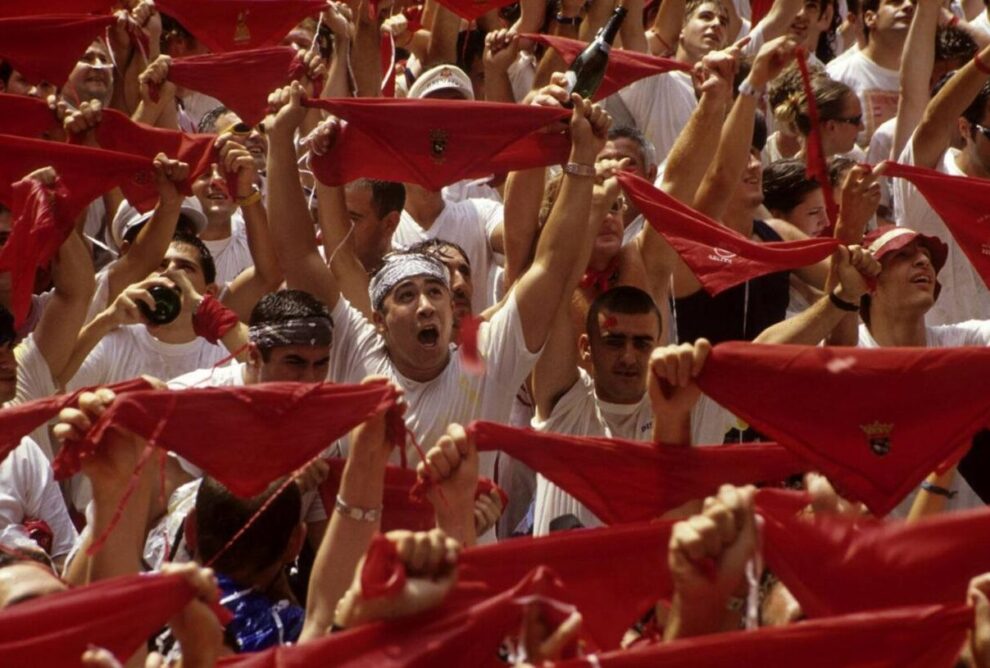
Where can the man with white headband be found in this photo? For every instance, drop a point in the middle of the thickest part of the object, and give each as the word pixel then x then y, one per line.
pixel 409 336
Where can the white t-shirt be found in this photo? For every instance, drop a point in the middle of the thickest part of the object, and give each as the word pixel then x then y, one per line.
pixel 453 396
pixel 964 294
pixel 661 106
pixel 99 302
pixel 877 88
pixel 522 74
pixel 969 333
pixel 231 255
pixel 471 189
pixel 469 224
pixel 580 412
pixel 881 145
pixel 28 491
pixel 128 352
pixel 34 381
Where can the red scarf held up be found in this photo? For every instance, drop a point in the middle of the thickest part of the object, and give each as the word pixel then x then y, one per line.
pixel 624 67
pixel 22 8
pixel 854 414
pixel 25 116
pixel 719 257
pixel 39 230
pixel 918 637
pixel 471 637
pixel 21 419
pixel 118 615
pixel 435 142
pixel 242 80
pixel 630 481
pixel 837 565
pixel 233 25
pixel 47 48
pixel 245 437
pixel 961 202
pixel 399 511
pixel 817 167
pixel 86 172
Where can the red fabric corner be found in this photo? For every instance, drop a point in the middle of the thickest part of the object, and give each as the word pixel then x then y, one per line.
pixel 232 25
pixel 624 67
pixel 719 257
pixel 854 414
pixel 435 142
pixel 26 116
pixel 47 48
pixel 630 481
pixel 399 511
pixel 223 76
pixel 837 565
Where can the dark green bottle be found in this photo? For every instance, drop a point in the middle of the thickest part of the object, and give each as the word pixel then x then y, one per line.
pixel 588 69
pixel 168 304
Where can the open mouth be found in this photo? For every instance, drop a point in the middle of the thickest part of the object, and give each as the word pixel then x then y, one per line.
pixel 922 280
pixel 428 336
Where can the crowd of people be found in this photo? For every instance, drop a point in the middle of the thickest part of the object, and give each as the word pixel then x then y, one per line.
pixel 337 332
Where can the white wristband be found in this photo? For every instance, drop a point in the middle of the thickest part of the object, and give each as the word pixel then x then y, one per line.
pixel 746 88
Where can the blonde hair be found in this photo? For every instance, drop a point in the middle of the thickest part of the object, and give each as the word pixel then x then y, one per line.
pixel 830 98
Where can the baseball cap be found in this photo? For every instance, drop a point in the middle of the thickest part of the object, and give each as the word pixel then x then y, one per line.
pixel 439 78
pixel 127 218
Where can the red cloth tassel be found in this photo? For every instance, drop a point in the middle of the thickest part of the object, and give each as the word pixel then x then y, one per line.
pixel 962 204
pixel 921 637
pixel 232 25
pixel 86 172
pixel 301 418
pixel 838 565
pixel 630 481
pixel 223 77
pixel 871 436
pixel 435 142
pixel 624 67
pixel 118 615
pixel 817 168
pixel 47 48
pixel 719 257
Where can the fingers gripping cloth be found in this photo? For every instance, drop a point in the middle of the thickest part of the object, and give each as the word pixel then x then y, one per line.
pixel 624 67
pixel 719 257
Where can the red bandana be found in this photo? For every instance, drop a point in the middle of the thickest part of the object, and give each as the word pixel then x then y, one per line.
pixel 86 172
pixel 624 67
pixel 611 599
pixel 720 258
pixel 399 510
pixel 269 430
pixel 232 25
pixel 119 133
pixel 817 168
pixel 435 142
pixel 26 116
pixel 470 637
pixel 922 637
pixel 467 333
pixel 961 202
pixel 600 280
pixel 21 419
pixel 118 615
pixel 629 481
pixel 20 8
pixel 40 228
pixel 47 48
pixel 473 9
pixel 854 413
pixel 223 77
pixel 836 565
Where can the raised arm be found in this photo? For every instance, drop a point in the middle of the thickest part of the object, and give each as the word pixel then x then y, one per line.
pixel 501 50
pixel 563 249
pixel 443 38
pixel 292 229
pixel 266 273
pixel 666 30
pixel 365 56
pixel 938 125
pixel 737 133
pixel 779 18
pixel 917 62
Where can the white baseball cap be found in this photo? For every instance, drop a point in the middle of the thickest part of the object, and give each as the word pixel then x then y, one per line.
pixel 439 78
pixel 127 218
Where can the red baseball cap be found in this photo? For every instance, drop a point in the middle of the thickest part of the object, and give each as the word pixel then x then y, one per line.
pixel 889 238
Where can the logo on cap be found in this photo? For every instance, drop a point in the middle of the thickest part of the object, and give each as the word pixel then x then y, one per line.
pixel 242 34
pixel 878 436
pixel 438 145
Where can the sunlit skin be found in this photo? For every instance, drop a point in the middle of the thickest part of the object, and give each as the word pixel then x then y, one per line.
pixel 416 320
pixel 20 583
pixel 809 215
pixel 296 364
pixel 92 77
pixel 703 32
pixel 372 234
pixel 619 352
pixel 906 283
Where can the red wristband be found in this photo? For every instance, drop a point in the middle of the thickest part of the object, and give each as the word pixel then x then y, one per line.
pixel 980 65
pixel 212 320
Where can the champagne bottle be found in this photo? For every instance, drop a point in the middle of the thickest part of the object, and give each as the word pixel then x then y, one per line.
pixel 588 69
